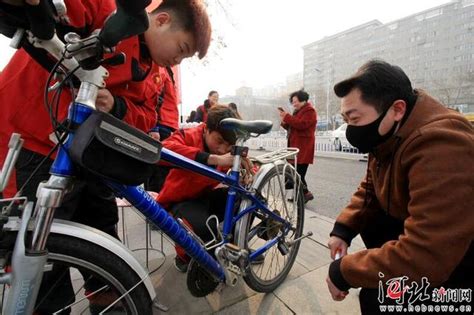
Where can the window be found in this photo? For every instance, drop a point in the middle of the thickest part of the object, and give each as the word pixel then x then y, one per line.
pixel 392 26
pixel 430 14
pixel 467 3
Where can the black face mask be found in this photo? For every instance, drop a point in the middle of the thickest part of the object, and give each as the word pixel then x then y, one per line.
pixel 366 138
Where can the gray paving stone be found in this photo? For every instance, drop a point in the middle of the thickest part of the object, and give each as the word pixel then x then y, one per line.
pixel 170 286
pixel 257 304
pixel 309 294
pixel 312 255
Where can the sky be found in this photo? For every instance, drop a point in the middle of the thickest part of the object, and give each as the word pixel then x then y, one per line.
pixel 264 39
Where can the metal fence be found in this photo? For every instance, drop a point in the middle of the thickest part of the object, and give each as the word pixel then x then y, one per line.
pixel 324 145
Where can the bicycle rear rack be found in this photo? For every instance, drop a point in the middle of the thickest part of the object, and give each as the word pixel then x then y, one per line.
pixel 270 157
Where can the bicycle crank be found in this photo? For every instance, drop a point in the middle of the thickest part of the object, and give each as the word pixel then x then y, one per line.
pixel 199 281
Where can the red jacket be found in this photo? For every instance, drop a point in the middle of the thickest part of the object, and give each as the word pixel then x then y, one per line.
pixel 301 127
pixel 24 79
pixel 182 184
pixel 169 114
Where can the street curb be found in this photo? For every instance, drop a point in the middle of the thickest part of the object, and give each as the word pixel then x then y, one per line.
pixel 343 155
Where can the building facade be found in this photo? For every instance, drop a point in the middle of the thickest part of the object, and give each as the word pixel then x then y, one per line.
pixel 435 47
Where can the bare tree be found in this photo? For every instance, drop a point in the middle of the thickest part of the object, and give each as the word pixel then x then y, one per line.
pixel 454 89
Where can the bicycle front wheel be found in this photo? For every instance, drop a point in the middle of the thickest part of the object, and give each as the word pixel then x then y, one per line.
pixel 270 269
pixel 87 279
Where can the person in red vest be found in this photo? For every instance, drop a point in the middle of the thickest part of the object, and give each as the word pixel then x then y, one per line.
pixel 191 196
pixel 177 30
pixel 167 105
pixel 201 111
pixel 301 127
pixel 168 121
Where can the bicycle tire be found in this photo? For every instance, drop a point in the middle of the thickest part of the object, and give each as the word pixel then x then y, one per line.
pixel 254 275
pixel 114 275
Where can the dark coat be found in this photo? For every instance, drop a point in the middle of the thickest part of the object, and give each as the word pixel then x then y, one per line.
pixel 301 127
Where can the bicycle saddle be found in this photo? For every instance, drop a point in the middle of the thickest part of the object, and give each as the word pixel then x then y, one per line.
pixel 251 126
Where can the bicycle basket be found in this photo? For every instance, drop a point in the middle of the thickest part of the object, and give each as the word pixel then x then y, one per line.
pixel 109 147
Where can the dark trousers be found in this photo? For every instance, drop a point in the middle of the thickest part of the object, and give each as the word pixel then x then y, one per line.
pixel 383 228
pixel 380 229
pixel 195 212
pixel 302 169
pixel 90 202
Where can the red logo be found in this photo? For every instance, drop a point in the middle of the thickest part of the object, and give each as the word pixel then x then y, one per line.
pixel 394 289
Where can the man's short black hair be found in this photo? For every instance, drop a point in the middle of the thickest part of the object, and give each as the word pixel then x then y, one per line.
pixel 215 115
pixel 380 84
pixel 301 95
pixel 191 16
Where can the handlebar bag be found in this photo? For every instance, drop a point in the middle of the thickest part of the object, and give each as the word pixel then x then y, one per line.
pixel 111 148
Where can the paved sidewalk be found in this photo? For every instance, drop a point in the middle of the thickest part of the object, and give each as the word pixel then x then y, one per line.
pixel 303 292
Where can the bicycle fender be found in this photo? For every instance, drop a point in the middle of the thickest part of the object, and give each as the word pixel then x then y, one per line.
pixel 104 240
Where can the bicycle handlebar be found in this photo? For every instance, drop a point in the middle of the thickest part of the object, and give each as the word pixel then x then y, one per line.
pixel 129 19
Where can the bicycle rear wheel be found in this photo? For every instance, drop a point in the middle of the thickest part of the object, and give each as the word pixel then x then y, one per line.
pixel 270 270
pixel 89 279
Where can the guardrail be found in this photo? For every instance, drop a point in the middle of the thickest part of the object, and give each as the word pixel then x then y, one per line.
pixel 324 146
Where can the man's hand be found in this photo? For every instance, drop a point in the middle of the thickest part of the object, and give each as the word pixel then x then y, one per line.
pixel 337 244
pixel 221 160
pixel 337 295
pixel 104 101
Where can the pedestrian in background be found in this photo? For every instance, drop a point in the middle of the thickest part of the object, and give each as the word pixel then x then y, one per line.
pixel 233 107
pixel 201 111
pixel 192 117
pixel 414 208
pixel 301 126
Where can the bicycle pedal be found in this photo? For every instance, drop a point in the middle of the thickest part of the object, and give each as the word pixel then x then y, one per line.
pixel 232 246
pixel 283 248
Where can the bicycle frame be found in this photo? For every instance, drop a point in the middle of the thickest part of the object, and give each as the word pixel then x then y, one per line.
pixel 50 194
pixel 154 212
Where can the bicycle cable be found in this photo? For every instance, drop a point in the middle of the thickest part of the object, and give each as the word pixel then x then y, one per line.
pixel 54 121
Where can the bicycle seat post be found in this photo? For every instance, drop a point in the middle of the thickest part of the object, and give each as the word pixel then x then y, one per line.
pixel 238 151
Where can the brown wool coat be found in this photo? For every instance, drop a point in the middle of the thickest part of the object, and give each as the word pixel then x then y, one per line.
pixel 301 127
pixel 431 170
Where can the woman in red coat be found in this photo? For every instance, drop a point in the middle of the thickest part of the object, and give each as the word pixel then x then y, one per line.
pixel 301 127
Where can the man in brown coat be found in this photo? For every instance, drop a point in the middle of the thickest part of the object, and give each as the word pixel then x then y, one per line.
pixel 301 127
pixel 415 208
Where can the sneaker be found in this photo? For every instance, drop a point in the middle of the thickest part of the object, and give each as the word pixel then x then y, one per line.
pixel 180 264
pixel 308 196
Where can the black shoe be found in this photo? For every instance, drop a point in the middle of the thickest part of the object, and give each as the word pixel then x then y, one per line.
pixel 180 264
pixel 308 196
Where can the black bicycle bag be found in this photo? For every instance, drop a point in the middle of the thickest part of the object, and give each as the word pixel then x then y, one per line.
pixel 111 148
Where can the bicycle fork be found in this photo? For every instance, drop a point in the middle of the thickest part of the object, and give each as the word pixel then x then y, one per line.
pixel 27 272
pixel 29 263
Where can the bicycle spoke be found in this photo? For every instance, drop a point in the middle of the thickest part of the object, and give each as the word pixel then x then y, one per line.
pixel 267 275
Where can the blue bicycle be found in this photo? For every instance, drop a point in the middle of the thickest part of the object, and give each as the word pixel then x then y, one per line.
pixel 259 241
